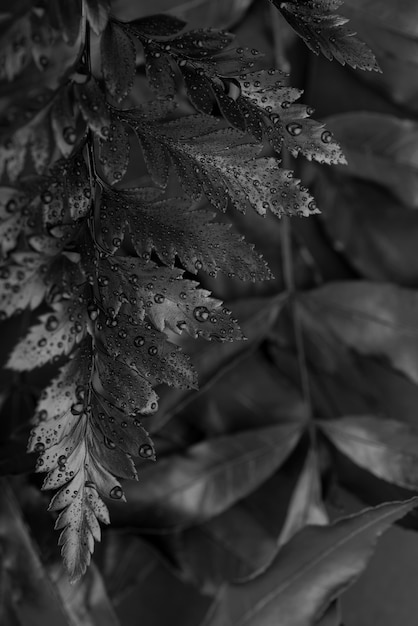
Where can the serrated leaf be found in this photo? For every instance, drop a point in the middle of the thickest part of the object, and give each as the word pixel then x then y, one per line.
pixel 118 56
pixel 183 490
pixel 381 148
pixel 147 351
pixel 21 284
pixel 164 297
pixel 317 565
pixel 173 228
pixel 93 107
pixel 324 31
pixel 374 319
pixel 386 448
pixel 271 113
pixel 56 335
pixel 114 152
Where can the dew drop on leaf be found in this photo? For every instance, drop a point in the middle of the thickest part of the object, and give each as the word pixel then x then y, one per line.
pixel 326 136
pixel 294 129
pixel 39 447
pixel 109 443
pixel 51 323
pixel 201 313
pixel 116 493
pixel 146 451
pixel 70 135
pixel 139 341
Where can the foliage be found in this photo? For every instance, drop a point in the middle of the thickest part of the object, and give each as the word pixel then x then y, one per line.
pixel 137 156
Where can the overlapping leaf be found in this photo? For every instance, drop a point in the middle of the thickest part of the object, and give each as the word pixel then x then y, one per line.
pixel 386 448
pixel 317 565
pixel 324 31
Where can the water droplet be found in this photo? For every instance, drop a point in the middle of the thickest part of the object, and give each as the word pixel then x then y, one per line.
pixel 139 341
pixel 146 451
pixel 159 298
pixel 201 313
pixel 52 323
pixel 326 136
pixel 294 128
pixel 109 443
pixel 152 350
pixel 198 265
pixel 39 447
pixel 69 135
pixel 46 197
pixel 77 409
pixel 116 493
pixel 42 342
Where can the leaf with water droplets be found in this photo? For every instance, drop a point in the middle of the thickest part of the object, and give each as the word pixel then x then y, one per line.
pixel 271 114
pixel 114 152
pixel 324 31
pixel 21 284
pixel 147 351
pixel 118 56
pixel 56 335
pixel 93 106
pixel 164 297
pixel 13 222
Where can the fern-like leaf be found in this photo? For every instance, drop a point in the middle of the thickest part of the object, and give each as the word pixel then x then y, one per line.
pixel 324 31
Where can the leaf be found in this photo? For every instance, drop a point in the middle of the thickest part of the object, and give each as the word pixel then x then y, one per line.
pixel 97 12
pixel 386 448
pixel 118 56
pixel 23 573
pixel 375 319
pixel 93 106
pixel 146 351
pixel 306 506
pixel 67 18
pixel 370 229
pixel 220 165
pixel 168 301
pixel 183 490
pixel 63 121
pixel 325 32
pixel 114 152
pixel 54 336
pixel 381 148
pixel 71 452
pixel 271 114
pixel 308 573
pixel 21 284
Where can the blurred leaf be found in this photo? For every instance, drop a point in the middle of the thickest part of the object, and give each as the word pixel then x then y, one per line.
pixel 197 13
pixel 306 506
pixel 86 601
pixel 331 617
pixel 375 319
pixel 28 596
pixel 183 490
pixel 309 572
pixel 137 580
pixel 386 448
pixel 381 148
pixel 118 56
pixel 369 228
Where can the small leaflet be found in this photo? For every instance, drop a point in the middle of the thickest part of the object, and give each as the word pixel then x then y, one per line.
pixel 114 152
pixel 21 283
pixel 54 336
pixel 147 351
pixel 324 31
pixel 118 54
pixel 271 114
pixel 165 298
pixel 93 107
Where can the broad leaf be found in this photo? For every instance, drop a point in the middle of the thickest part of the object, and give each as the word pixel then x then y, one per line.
pixel 114 151
pixel 309 572
pixel 93 107
pixel 386 448
pixel 381 148
pixel 324 31
pixel 183 490
pixel 375 319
